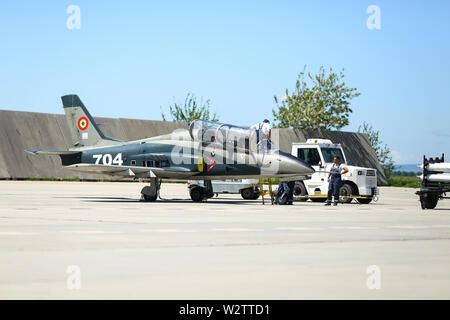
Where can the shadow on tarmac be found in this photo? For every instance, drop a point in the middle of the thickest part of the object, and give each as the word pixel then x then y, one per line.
pixel 215 200
pixel 105 199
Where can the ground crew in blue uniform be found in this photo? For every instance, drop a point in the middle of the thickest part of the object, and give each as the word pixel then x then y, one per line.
pixel 335 180
pixel 285 193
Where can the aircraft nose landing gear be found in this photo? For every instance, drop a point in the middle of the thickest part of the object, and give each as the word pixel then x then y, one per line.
pixel 151 193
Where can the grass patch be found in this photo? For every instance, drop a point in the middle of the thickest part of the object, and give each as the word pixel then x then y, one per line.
pixel 404 181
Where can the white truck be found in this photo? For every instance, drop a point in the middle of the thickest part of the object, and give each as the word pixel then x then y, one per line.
pixel 358 183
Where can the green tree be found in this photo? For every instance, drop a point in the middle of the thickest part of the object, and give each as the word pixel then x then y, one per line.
pixel 382 151
pixel 190 110
pixel 320 102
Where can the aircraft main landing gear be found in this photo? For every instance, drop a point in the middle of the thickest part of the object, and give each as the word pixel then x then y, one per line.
pixel 150 193
pixel 199 194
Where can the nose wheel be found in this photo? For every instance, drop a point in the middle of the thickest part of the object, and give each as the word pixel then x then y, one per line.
pixel 150 193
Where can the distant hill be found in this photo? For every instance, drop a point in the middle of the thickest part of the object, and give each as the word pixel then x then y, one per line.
pixel 407 167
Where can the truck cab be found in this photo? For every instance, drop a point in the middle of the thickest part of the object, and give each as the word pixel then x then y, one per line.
pixel 358 183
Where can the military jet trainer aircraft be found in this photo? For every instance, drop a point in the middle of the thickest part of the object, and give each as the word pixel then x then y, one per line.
pixel 207 151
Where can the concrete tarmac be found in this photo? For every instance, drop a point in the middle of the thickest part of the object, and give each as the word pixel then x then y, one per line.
pixel 93 240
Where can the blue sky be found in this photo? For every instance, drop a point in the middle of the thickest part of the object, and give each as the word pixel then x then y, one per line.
pixel 130 58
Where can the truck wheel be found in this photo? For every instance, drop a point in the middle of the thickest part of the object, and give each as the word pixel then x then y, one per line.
pixel 149 198
pixel 431 201
pixel 300 190
pixel 248 194
pixel 197 194
pixel 364 201
pixel 345 191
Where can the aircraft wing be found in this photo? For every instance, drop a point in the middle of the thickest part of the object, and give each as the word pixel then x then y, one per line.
pixel 52 152
pixel 132 171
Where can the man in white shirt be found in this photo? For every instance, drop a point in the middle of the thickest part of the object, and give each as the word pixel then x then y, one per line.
pixel 263 133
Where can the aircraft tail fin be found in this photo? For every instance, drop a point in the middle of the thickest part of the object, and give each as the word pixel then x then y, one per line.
pixel 83 128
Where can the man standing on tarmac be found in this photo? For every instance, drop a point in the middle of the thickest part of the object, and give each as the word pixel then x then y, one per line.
pixel 335 180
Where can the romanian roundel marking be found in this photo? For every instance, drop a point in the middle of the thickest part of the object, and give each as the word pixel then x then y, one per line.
pixel 83 123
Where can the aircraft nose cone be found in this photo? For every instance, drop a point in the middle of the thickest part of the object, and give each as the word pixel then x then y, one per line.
pixel 292 165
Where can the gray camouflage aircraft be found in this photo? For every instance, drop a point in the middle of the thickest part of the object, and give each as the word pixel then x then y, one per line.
pixel 207 151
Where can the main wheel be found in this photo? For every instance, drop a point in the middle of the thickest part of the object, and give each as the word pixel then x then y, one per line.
pixel 256 194
pixel 364 201
pixel 300 190
pixel 150 198
pixel 197 194
pixel 345 192
pixel 248 194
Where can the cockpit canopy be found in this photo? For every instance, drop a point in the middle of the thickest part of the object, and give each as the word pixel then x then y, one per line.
pixel 214 132
pixel 208 131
